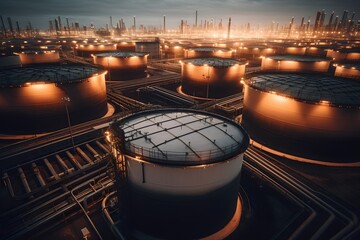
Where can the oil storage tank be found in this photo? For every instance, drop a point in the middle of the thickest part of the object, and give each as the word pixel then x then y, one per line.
pixel 211 77
pixel 9 60
pixel 295 63
pixel 310 116
pixel 349 70
pixel 122 65
pixel 183 169
pixel 41 56
pixel 86 50
pixel 38 99
pixel 208 52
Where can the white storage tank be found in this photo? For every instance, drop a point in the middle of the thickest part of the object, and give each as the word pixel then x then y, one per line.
pixel 86 50
pixel 183 171
pixel 348 70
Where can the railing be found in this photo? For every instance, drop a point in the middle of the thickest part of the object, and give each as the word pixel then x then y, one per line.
pixel 186 157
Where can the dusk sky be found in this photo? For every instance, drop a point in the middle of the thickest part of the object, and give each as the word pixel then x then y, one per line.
pixel 150 12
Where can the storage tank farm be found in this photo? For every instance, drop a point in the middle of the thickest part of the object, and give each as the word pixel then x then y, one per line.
pixel 88 49
pixel 211 77
pixel 183 168
pixel 122 65
pixel 37 99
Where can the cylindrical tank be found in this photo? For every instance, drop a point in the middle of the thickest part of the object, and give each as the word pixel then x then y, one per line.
pixel 86 50
pixel 319 51
pixel 183 169
pixel 344 55
pixel 348 71
pixel 125 46
pixel 34 99
pixel 295 63
pixel 122 65
pixel 150 47
pixel 211 77
pixel 208 52
pixel 306 115
pixel 42 56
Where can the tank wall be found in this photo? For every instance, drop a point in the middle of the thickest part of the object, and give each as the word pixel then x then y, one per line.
pixel 347 72
pixel 315 131
pixel 183 202
pixel 343 56
pixel 39 107
pixel 50 57
pixel 268 64
pixel 314 51
pixel 119 63
pixel 153 48
pixel 183 180
pixel 207 54
pixel 10 61
pixel 219 81
pixel 294 50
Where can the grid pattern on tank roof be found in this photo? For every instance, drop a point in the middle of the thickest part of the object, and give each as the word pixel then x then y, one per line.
pixel 214 62
pixel 51 74
pixel 178 136
pixel 310 88
pixel 121 54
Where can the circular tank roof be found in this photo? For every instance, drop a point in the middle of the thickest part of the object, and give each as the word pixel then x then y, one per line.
pixel 181 137
pixel 299 58
pixel 121 54
pixel 213 62
pixel 310 88
pixel 16 77
pixel 209 49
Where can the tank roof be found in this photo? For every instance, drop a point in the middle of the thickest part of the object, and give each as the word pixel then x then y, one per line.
pixel 213 62
pixel 311 88
pixel 121 54
pixel 181 137
pixel 298 58
pixel 17 77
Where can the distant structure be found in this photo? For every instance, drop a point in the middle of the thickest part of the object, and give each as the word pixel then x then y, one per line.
pixel 152 47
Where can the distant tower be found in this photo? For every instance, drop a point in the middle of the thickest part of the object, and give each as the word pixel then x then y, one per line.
pixel 68 25
pixel 196 19
pixel 134 24
pixel 302 24
pixel 111 23
pixel 3 28
pixel 290 26
pixel 17 28
pixel 164 24
pixel 60 25
pixel 228 31
pixel 322 19
pixel 317 21
pixel 336 23
pixel 182 27
pixel 344 19
pixel 10 26
pixel 308 24
pixel 51 26
pixel 329 26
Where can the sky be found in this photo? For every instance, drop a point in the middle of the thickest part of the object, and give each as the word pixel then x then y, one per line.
pixel 151 12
